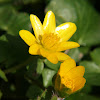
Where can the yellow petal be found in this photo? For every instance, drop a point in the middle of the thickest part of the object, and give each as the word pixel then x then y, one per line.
pixel 35 49
pixel 49 55
pixel 27 36
pixel 49 23
pixel 76 72
pixel 79 83
pixel 44 52
pixel 66 66
pixel 67 45
pixel 52 58
pixel 65 31
pixel 61 56
pixel 37 26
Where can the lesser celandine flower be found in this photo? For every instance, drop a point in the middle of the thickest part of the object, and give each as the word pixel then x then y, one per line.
pixel 49 40
pixel 69 78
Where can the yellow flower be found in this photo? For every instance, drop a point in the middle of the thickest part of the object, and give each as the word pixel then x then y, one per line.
pixel 69 78
pixel 49 40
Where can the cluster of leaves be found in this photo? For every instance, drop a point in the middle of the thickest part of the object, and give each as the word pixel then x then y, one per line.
pixel 30 77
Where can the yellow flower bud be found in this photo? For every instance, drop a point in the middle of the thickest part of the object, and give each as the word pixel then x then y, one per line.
pixel 69 78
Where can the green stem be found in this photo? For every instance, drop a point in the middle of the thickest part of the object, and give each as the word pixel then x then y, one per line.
pixel 19 65
pixel 40 97
pixel 36 82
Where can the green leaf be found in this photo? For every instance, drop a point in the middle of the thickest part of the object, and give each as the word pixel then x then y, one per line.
pixel 33 92
pixel 86 89
pixel 75 54
pixel 13 50
pixel 51 65
pixel 95 55
pixel 31 68
pixel 93 79
pixel 92 73
pixel 3 76
pixel 78 53
pixel 12 21
pixel 83 15
pixel 90 67
pixel 40 66
pixel 81 96
pixel 84 50
pixel 47 75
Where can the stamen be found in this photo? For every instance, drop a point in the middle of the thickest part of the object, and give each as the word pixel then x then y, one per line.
pixel 68 83
pixel 50 41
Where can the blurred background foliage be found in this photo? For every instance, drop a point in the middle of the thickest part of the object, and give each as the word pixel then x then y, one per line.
pixel 27 77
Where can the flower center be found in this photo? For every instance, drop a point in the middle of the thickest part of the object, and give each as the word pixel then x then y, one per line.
pixel 50 41
pixel 68 83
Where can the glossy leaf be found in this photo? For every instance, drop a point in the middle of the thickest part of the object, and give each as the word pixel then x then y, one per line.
pixel 93 79
pixel 51 65
pixel 90 67
pixel 40 66
pixel 12 21
pixel 92 73
pixel 33 92
pixel 75 54
pixel 47 75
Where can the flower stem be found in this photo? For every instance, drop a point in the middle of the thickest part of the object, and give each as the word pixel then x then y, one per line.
pixel 19 66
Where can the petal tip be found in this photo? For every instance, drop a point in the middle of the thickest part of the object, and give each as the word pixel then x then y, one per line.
pixel 82 69
pixel 73 25
pixel 32 16
pixel 30 51
pixel 49 11
pixel 21 33
pixel 78 45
